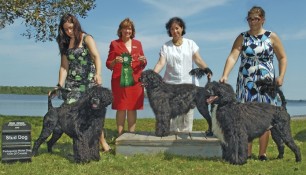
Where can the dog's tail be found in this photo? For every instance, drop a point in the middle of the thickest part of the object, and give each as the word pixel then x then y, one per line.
pixel 198 72
pixel 269 87
pixel 56 92
pixel 282 97
pixel 51 95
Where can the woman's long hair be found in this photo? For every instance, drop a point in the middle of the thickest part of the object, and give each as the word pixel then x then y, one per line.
pixel 63 39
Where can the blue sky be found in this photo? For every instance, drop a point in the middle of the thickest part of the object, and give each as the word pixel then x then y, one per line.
pixel 212 24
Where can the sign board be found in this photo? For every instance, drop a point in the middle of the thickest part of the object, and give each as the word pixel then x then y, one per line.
pixel 16 141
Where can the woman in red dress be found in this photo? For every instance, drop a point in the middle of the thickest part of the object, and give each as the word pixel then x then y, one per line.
pixel 126 59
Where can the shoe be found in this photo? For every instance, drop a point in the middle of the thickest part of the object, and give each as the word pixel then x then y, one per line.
pixel 262 158
pixel 209 133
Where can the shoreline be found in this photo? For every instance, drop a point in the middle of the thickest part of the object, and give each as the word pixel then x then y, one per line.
pixel 298 117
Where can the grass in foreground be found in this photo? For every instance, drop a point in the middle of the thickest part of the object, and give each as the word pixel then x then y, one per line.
pixel 61 163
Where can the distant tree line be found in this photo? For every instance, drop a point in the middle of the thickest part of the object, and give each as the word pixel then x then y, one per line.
pixel 25 90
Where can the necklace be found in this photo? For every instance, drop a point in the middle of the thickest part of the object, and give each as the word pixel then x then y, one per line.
pixel 178 42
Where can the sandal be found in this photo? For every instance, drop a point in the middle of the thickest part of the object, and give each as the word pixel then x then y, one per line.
pixel 262 158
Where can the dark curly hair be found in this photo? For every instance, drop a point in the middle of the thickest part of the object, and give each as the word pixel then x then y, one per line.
pixel 178 21
pixel 63 39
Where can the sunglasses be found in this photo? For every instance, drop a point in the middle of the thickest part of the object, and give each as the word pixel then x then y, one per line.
pixel 256 19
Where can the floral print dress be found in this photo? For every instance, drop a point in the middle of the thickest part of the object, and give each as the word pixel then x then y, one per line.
pixel 80 74
pixel 256 64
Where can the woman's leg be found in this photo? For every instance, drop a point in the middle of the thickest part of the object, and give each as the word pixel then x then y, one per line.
pixel 131 120
pixel 250 149
pixel 174 123
pixel 120 119
pixel 103 143
pixel 188 121
pixel 263 143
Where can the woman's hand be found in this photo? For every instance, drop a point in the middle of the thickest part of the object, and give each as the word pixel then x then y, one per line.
pixel 223 79
pixel 53 93
pixel 142 59
pixel 98 79
pixel 279 81
pixel 118 59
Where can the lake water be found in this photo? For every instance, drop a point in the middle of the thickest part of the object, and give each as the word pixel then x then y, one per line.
pixel 36 105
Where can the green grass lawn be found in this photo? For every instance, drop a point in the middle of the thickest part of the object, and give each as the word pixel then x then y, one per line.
pixel 60 162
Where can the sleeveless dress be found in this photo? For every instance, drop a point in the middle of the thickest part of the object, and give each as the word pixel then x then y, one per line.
pixel 256 64
pixel 80 74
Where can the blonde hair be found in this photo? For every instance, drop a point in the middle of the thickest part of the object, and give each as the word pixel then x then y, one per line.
pixel 124 24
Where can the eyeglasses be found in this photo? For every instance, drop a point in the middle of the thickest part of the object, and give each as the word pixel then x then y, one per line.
pixel 256 19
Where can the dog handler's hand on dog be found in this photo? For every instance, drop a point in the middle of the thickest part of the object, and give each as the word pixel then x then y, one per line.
pixel 98 79
pixel 53 93
pixel 223 80
pixel 200 62
pixel 279 81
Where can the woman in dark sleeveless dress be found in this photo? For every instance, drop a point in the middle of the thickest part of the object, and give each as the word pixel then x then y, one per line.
pixel 80 66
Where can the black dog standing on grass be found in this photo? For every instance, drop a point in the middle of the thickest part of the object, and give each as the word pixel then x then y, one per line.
pixel 236 124
pixel 170 100
pixel 83 121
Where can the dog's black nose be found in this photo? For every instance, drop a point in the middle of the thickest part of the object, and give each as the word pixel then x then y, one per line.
pixel 95 100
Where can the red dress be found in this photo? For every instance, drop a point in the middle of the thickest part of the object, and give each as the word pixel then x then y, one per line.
pixel 126 98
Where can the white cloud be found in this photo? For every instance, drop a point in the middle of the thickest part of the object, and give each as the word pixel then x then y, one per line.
pixel 153 41
pixel 299 35
pixel 175 7
pixel 217 35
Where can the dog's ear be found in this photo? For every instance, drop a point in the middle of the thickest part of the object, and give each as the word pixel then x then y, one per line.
pixel 227 93
pixel 107 97
pixel 153 79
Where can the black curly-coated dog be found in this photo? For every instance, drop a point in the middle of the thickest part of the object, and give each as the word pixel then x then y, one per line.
pixel 236 124
pixel 170 100
pixel 83 121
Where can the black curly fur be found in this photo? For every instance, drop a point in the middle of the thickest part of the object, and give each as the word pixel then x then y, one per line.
pixel 268 86
pixel 240 123
pixel 198 72
pixel 83 121
pixel 170 100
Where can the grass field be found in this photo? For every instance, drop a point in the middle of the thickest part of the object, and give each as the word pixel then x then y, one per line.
pixel 60 162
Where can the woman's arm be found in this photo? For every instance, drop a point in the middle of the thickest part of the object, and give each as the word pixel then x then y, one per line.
pixel 94 53
pixel 160 64
pixel 281 57
pixel 63 71
pixel 112 59
pixel 232 58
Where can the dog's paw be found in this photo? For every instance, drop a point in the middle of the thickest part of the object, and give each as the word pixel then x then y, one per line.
pixel 280 156
pixel 34 153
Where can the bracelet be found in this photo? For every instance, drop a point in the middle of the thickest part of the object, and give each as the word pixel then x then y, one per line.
pixel 58 85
